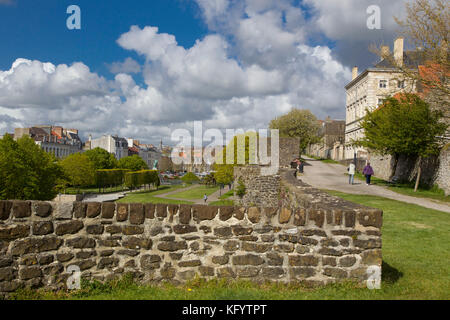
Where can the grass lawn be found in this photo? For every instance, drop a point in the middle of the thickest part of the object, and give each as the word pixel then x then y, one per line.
pixel 149 196
pixel 194 193
pixel 227 195
pixel 416 255
pixel 222 203
pixel 408 189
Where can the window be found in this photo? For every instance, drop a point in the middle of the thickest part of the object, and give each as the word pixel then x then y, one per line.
pixel 383 83
pixel 381 101
pixel 401 84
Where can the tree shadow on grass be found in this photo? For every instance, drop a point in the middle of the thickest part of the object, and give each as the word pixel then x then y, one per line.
pixel 389 274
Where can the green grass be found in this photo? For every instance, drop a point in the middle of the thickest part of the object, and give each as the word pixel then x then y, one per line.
pixel 408 189
pixel 222 203
pixel 227 195
pixel 416 255
pixel 195 193
pixel 149 196
pixel 330 161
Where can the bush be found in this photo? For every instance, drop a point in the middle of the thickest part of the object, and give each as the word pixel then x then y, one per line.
pixel 190 178
pixel 241 190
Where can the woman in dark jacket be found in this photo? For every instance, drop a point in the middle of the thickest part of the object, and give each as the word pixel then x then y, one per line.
pixel 368 172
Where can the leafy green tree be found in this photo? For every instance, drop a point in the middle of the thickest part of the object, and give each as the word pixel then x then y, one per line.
pixel 133 163
pixel 298 123
pixel 404 125
pixel 190 178
pixel 102 159
pixel 78 170
pixel 26 171
pixel 209 180
pixel 224 174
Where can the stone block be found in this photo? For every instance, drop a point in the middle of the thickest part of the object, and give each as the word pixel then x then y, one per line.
pixel 122 212
pixel 42 228
pixel 248 259
pixel 184 229
pixel 5 209
pixel 202 213
pixel 21 209
pixel 93 209
pixel 9 233
pixel 41 209
pixel 108 210
pixel 95 229
pixel 371 218
pixel 254 214
pixel 71 227
pixel 149 210
pixel 285 215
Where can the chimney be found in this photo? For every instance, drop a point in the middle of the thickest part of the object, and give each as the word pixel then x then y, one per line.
pixel 398 51
pixel 384 52
pixel 354 73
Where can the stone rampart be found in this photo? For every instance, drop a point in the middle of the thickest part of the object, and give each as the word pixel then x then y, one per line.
pixel 302 241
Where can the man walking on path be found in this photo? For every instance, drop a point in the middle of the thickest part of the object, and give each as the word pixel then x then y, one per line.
pixel 351 173
pixel 368 172
pixel 205 197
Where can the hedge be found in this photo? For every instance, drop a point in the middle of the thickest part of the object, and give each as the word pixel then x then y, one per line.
pixel 140 178
pixel 110 177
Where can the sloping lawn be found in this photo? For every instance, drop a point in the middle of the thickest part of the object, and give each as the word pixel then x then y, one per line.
pixel 416 256
pixel 149 196
pixel 194 193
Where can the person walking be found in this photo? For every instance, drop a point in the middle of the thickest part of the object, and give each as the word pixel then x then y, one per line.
pixel 368 172
pixel 351 173
pixel 301 166
pixel 205 197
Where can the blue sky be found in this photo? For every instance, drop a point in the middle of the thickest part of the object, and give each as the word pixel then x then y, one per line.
pixel 143 69
pixel 42 34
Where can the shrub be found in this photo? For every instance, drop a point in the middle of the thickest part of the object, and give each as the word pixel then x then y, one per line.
pixel 241 190
pixel 190 178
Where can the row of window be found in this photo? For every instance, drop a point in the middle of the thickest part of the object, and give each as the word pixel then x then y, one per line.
pixel 59 153
pixel 383 84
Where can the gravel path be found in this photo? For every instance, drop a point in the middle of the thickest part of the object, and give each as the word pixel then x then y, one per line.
pixel 333 177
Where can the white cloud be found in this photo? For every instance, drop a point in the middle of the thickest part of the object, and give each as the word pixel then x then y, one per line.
pixel 128 66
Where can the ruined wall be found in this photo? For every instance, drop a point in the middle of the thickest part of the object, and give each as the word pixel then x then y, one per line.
pixel 261 191
pixel 40 240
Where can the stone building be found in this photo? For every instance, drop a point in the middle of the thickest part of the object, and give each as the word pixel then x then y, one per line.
pixel 113 144
pixel 53 139
pixel 331 144
pixel 369 89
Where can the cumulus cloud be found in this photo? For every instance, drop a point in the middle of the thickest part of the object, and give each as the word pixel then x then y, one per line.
pixel 128 66
pixel 256 63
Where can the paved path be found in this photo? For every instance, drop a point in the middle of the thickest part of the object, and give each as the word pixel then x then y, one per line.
pixel 333 177
pixel 211 198
pixel 108 197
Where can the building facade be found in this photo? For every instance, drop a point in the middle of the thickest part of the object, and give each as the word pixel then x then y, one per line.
pixel 56 140
pixel 113 144
pixel 369 89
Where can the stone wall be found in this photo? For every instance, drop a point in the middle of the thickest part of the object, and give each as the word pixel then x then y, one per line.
pixel 435 169
pixel 39 241
pixel 262 191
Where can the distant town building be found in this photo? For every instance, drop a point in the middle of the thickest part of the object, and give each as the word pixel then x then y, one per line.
pixel 369 89
pixel 331 145
pixel 53 139
pixel 113 144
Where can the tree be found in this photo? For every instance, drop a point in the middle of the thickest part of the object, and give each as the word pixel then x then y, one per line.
pixel 101 159
pixel 224 174
pixel 26 171
pixel 298 123
pixel 404 125
pixel 133 163
pixel 78 170
pixel 190 178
